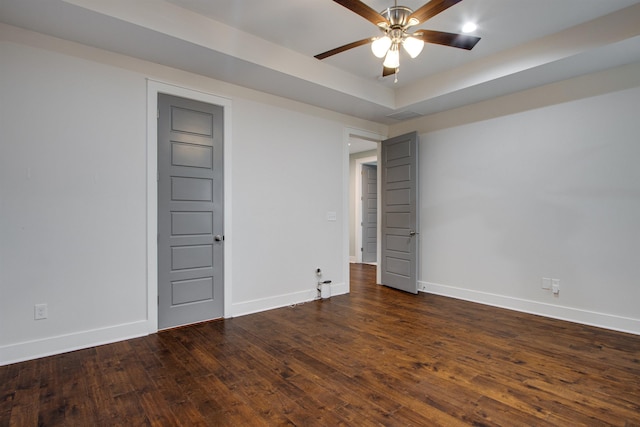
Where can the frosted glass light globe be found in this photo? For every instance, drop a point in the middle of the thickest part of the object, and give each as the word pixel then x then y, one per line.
pixel 392 60
pixel 413 46
pixel 380 46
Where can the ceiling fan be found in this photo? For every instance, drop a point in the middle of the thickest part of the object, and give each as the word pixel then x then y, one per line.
pixel 395 22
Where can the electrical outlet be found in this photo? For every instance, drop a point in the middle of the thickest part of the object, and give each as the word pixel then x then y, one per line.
pixel 40 312
pixel 546 283
pixel 555 286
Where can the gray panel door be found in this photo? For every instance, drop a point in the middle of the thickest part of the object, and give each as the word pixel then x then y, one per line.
pixel 369 213
pixel 190 221
pixel 399 165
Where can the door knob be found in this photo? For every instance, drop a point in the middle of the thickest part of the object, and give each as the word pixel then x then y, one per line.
pixel 218 238
pixel 413 233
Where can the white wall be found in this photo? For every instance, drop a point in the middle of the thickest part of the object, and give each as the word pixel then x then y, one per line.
pixel 287 177
pixel 72 188
pixel 73 210
pixel 551 192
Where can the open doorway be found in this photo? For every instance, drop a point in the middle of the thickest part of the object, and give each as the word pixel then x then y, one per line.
pixel 363 190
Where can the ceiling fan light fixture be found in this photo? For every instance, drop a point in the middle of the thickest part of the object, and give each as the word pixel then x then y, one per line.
pixel 394 23
pixel 392 60
pixel 413 46
pixel 380 46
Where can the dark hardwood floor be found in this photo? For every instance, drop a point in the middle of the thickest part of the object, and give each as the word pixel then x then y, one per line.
pixel 374 357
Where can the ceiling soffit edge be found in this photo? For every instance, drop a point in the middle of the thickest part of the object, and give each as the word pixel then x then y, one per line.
pixel 615 79
pixel 215 36
pixel 594 34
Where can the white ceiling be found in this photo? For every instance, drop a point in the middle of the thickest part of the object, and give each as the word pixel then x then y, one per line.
pixel 358 145
pixel 269 46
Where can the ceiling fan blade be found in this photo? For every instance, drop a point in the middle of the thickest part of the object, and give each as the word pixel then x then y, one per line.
pixel 447 39
pixel 432 8
pixel 386 71
pixel 365 11
pixel 343 48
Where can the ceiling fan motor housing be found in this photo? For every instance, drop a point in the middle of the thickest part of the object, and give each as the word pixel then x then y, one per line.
pixel 398 16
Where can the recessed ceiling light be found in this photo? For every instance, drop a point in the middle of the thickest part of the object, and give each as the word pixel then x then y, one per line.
pixel 469 27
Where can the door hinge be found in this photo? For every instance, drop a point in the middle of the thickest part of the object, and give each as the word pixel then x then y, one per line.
pixel 361 249
pixel 158 114
pixel 158 299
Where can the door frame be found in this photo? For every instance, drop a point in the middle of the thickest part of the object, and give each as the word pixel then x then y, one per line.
pixel 346 137
pixel 153 89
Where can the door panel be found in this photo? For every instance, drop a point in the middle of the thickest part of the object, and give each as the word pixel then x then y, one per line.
pixel 195 156
pixel 191 189
pixel 398 267
pixel 186 291
pixel 187 257
pixel 190 260
pixel 191 223
pixel 369 213
pixel 191 121
pixel 399 162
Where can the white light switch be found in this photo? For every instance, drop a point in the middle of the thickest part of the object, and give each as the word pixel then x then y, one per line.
pixel 331 216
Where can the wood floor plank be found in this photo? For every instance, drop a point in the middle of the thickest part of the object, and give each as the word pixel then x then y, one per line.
pixel 25 396
pixel 8 377
pixel 98 396
pixel 79 411
pixel 159 413
pixel 52 402
pixel 376 356
pixel 130 410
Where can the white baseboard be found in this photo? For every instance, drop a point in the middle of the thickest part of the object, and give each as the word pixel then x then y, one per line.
pixel 28 350
pixel 591 318
pixel 279 301
pixel 339 289
pixel 352 259
pixel 35 349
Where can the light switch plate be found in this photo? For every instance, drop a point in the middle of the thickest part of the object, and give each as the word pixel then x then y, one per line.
pixel 40 311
